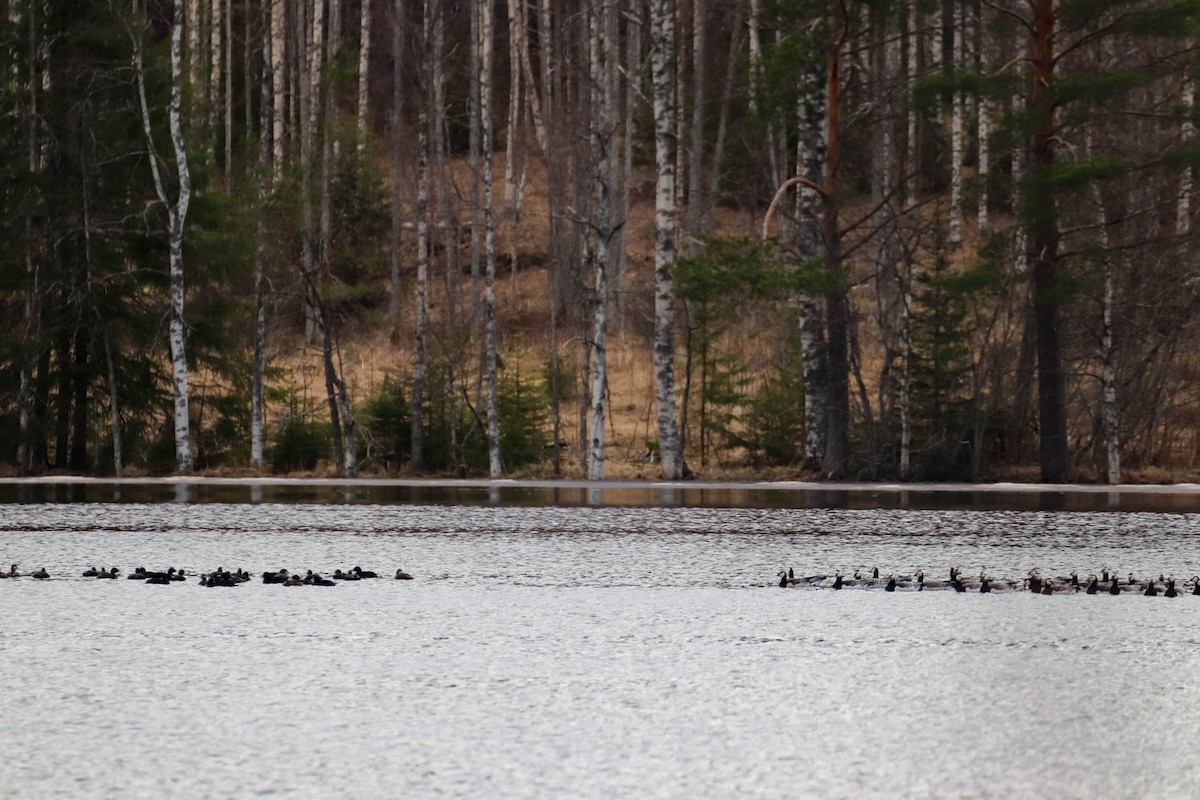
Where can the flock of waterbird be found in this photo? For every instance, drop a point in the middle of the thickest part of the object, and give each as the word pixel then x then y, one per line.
pixel 1107 582
pixel 218 577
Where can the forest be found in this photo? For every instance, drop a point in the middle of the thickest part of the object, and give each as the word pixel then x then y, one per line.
pixel 933 240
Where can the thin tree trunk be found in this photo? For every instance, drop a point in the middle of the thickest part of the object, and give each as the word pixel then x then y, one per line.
pixel 177 216
pixel 603 134
pixel 554 192
pixel 193 22
pixel 265 178
pixel 912 148
pixel 278 55
pixel 114 408
pixel 663 67
pixel 984 131
pixel 490 332
pixel 814 353
pixel 837 306
pixel 1187 130
pixel 718 158
pixel 904 400
pixel 212 90
pixel 398 171
pixel 695 200
pixel 514 108
pixel 1044 247
pixel 229 92
pixel 475 139
pixel 417 429
pixel 31 310
pixel 957 127
pixel 364 71
pixel 1110 413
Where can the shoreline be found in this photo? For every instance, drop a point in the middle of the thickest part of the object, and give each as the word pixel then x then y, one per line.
pixel 537 483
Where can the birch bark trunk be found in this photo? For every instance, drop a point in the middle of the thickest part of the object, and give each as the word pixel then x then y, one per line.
pixel 602 134
pixel 1110 414
pixel 491 345
pixel 957 112
pixel 364 71
pixel 695 200
pixel 663 63
pixel 177 217
pixel 417 421
pixel 278 58
pixel 265 179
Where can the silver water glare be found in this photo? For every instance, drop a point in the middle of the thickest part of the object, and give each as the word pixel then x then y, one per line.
pixel 592 652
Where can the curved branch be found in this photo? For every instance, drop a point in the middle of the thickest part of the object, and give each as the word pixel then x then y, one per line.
pixel 781 191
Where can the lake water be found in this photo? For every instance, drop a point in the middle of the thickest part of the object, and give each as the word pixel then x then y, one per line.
pixel 592 651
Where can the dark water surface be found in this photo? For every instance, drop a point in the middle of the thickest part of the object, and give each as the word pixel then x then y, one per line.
pixel 589 649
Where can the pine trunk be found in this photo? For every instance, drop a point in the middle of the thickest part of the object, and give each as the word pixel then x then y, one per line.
pixel 1044 236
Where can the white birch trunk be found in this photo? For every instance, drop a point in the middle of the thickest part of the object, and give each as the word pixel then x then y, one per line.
pixel 489 236
pixel 911 141
pixel 417 430
pixel 603 129
pixel 1110 413
pixel 810 241
pixel 514 109
pixel 194 53
pixel 177 217
pixel 956 161
pixel 278 81
pixel 213 88
pixel 663 66
pixel 633 55
pixel 265 179
pixel 364 71
pixel 695 201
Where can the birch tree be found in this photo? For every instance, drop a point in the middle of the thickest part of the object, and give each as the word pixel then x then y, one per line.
pixel 177 210
pixel 603 133
pixel 364 71
pixel 490 333
pixel 264 178
pixel 663 67
pixel 422 218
